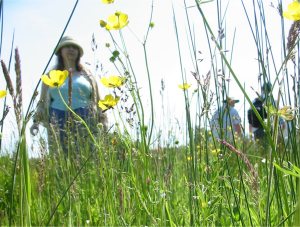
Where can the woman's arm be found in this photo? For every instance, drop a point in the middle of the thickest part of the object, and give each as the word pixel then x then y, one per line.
pixel 95 97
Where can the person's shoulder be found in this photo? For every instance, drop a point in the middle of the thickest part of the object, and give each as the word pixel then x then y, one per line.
pixel 233 110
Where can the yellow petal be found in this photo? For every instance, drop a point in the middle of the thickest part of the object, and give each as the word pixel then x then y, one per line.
pixel 123 20
pixel 108 102
pixel 117 21
pixel 102 106
pixel 113 81
pixel 112 22
pixel 2 93
pixel 104 81
pixel 46 80
pixel 293 11
pixel 63 76
pixel 108 1
pixel 184 86
pixel 56 78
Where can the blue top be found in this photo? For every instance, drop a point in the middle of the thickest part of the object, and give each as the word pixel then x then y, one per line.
pixel 227 118
pixel 81 93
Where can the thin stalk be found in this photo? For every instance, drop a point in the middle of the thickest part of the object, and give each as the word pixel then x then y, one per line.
pixel 26 116
pixel 192 177
pixel 150 94
pixel 4 103
pixel 148 77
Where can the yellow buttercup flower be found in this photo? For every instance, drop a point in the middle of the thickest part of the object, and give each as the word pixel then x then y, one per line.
pixel 56 78
pixel 108 102
pixel 293 11
pixel 2 93
pixel 116 21
pixel 184 86
pixel 113 81
pixel 108 1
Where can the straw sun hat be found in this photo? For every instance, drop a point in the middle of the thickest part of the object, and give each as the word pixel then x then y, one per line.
pixel 68 40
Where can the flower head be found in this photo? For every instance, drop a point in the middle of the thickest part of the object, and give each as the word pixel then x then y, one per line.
pixel 56 78
pixel 293 11
pixel 108 1
pixel 116 21
pixel 184 86
pixel 2 93
pixel 108 102
pixel 113 81
pixel 287 113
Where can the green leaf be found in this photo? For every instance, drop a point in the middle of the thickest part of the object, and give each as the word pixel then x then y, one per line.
pixel 294 172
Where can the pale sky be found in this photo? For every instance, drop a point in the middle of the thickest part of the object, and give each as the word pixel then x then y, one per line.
pixel 39 23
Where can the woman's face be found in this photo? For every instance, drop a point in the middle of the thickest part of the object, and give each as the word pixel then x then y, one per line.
pixel 69 53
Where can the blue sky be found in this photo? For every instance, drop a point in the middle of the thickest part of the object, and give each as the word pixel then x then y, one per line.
pixel 39 23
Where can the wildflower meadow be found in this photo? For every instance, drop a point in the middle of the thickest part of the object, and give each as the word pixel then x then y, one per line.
pixel 144 171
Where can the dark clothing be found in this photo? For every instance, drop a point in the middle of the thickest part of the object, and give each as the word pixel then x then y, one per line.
pixel 252 118
pixel 62 128
pixel 259 133
pixel 258 130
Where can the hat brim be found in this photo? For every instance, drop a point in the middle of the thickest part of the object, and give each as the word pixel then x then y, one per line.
pixel 66 43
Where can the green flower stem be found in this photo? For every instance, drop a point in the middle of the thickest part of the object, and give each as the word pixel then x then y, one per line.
pixel 150 94
pixel 149 80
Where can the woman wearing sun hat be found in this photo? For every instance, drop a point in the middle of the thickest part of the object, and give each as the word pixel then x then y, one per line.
pixel 80 89
pixel 226 121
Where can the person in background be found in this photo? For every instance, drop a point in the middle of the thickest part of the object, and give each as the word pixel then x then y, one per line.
pixel 255 127
pixel 52 113
pixel 226 122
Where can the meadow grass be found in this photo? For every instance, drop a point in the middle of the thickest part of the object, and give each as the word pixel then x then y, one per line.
pixel 120 178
